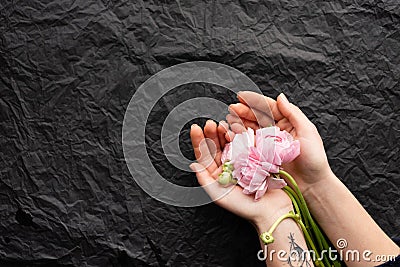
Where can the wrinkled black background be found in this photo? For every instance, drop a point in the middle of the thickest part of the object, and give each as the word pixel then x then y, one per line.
pixel 69 68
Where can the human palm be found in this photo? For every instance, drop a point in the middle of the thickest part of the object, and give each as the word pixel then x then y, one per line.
pixel 208 146
pixel 255 110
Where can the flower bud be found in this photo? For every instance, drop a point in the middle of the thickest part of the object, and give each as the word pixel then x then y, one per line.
pixel 227 167
pixel 224 178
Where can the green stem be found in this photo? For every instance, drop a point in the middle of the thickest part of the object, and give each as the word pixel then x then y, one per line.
pixel 307 215
pixel 310 241
pixel 299 203
pixel 267 237
pixel 292 198
pixel 292 195
pixel 296 195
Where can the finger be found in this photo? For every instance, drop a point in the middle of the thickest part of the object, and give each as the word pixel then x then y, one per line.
pixel 210 132
pixel 229 136
pixel 293 114
pixel 260 102
pixel 238 128
pixel 234 119
pixel 284 124
pixel 246 112
pixel 223 128
pixel 236 124
pixel 251 114
pixel 196 136
pixel 242 111
pixel 246 123
pixel 200 147
pixel 225 134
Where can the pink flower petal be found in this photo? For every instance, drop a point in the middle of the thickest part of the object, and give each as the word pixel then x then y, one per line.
pixel 227 153
pixel 291 153
pixel 276 183
pixel 241 145
pixel 254 157
pixel 261 191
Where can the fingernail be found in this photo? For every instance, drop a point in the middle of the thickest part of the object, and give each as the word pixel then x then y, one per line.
pixel 230 108
pixel 194 125
pixel 192 167
pixel 284 98
pixel 224 125
pixel 195 167
pixel 229 135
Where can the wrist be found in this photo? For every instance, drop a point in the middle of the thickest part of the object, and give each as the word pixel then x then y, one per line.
pixel 313 191
pixel 265 221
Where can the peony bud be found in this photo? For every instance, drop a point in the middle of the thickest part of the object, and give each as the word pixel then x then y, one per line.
pixel 227 167
pixel 225 178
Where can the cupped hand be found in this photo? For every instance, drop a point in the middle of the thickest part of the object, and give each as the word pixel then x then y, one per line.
pixel 208 146
pixel 255 110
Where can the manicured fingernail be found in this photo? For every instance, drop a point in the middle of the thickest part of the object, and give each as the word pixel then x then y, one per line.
pixel 230 108
pixel 224 125
pixel 229 136
pixel 192 167
pixel 284 98
pixel 196 167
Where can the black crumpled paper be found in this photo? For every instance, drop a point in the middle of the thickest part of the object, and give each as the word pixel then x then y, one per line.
pixel 69 68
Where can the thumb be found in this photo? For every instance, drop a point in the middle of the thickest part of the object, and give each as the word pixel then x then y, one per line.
pixel 293 114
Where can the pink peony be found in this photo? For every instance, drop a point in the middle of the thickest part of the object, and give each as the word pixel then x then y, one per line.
pixel 254 159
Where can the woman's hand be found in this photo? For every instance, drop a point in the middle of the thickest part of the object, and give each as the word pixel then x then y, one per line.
pixel 321 188
pixel 208 145
pixel 311 166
